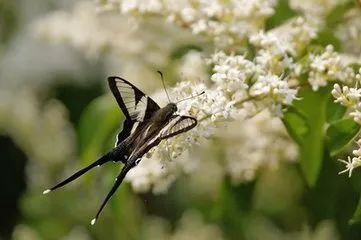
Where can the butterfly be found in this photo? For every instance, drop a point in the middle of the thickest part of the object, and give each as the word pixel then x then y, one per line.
pixel 145 126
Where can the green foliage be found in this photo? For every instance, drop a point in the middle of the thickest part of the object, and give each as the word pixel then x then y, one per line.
pixel 356 183
pixel 336 15
pixel 305 123
pixel 232 202
pixel 179 52
pixel 284 12
pixel 356 218
pixel 327 35
pixel 296 124
pixel 8 19
pixel 340 133
pixel 334 111
pixel 98 124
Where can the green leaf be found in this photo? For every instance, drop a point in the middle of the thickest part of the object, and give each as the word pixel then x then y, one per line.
pixel 9 20
pixel 98 123
pixel 326 37
pixel 356 67
pixel 283 13
pixel 337 14
pixel 340 134
pixel 179 52
pixel 334 111
pixel 356 184
pixel 305 123
pixel 356 218
pixel 356 180
pixel 296 124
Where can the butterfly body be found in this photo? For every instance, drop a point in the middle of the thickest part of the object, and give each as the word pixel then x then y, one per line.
pixel 143 136
pixel 145 126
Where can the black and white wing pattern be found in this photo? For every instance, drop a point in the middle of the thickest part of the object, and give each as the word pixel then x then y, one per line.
pixel 178 124
pixel 136 106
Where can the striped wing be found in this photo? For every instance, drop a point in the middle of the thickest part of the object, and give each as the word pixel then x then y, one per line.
pixel 136 106
pixel 177 125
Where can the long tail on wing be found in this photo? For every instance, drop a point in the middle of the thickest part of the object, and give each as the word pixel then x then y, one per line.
pixel 100 161
pixel 118 181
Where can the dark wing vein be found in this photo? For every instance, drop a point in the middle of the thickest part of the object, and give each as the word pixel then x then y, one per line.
pixel 138 106
pixel 178 124
pixel 135 105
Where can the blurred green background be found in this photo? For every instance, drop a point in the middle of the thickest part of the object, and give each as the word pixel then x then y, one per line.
pixel 57 115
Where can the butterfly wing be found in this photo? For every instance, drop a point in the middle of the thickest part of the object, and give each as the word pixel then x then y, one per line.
pixel 178 124
pixel 135 105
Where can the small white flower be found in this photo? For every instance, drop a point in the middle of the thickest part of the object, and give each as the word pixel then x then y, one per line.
pixel 275 88
pixel 356 113
pixel 244 158
pixel 326 67
pixel 231 72
pixel 350 164
pixel 348 97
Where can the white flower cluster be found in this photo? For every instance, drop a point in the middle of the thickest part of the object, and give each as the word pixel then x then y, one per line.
pixel 243 83
pixel 82 29
pixel 349 32
pixel 225 22
pixel 99 35
pixel 211 106
pixel 328 66
pixel 154 172
pixel 279 48
pixel 350 97
pixel 262 78
pixel 237 80
pixel 315 9
pixel 273 87
pixel 232 72
pixel 244 79
pixel 171 158
pixel 254 144
pixel 293 36
pixel 353 162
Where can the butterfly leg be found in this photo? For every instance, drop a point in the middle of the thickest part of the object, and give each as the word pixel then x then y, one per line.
pixel 100 161
pixel 118 181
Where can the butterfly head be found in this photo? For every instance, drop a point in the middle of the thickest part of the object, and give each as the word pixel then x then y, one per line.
pixel 166 112
pixel 172 107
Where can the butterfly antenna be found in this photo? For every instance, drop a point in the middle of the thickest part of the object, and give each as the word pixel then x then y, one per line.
pixel 161 77
pixel 197 95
